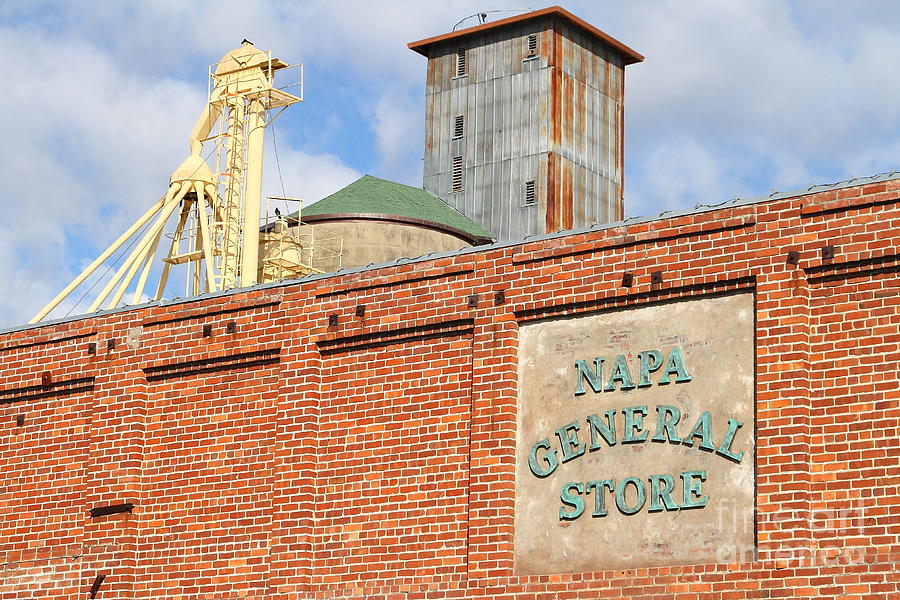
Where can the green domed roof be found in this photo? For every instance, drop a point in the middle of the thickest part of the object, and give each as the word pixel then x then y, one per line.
pixel 374 197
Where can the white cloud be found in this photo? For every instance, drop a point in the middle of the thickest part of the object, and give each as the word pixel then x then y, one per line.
pixel 309 177
pixel 84 153
pixel 735 98
pixel 398 127
pixel 795 96
pixel 682 170
pixel 91 145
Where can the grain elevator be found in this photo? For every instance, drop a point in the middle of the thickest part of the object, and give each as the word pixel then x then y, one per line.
pixel 524 122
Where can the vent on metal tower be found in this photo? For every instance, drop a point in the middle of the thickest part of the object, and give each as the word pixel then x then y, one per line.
pixel 529 192
pixel 456 180
pixel 460 62
pixel 458 124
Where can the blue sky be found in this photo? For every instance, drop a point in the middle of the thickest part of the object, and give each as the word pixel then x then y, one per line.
pixel 734 99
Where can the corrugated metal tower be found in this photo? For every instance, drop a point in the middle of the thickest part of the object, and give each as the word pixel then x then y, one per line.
pixel 524 122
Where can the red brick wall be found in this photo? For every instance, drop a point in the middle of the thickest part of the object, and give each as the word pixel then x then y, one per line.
pixel 394 435
pixel 208 470
pixel 289 458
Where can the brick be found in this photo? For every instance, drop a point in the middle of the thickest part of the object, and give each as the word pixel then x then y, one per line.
pixel 375 458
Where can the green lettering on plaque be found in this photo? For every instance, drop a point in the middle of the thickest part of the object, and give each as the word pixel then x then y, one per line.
pixel 725 447
pixel 691 495
pixel 568 441
pixel 591 375
pixel 621 504
pixel 703 431
pixel 607 430
pixel 675 366
pixel 661 494
pixel 651 360
pixel 568 499
pixel 667 418
pixel 620 374
pixel 550 460
pixel 599 496
pixel 634 423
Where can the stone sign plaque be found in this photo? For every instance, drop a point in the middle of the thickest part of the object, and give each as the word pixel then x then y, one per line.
pixel 635 437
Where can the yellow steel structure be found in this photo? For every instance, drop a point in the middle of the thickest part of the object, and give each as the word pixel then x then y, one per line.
pixel 217 232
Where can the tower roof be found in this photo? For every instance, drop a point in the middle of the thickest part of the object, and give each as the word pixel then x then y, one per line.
pixel 630 55
pixel 373 198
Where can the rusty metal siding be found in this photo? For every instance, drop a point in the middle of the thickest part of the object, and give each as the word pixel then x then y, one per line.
pixel 554 119
pixel 587 177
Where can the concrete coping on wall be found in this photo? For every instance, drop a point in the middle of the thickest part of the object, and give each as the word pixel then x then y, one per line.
pixel 698 209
